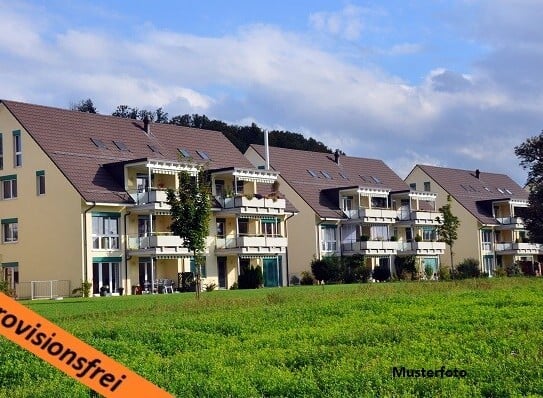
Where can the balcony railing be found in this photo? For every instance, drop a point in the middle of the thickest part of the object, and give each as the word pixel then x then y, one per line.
pixel 253 202
pixel 234 242
pixel 375 214
pixel 165 241
pixel 150 195
pixel 518 248
pixel 370 245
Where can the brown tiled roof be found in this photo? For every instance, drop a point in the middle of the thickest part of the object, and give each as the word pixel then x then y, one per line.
pixel 476 194
pixel 317 191
pixel 65 136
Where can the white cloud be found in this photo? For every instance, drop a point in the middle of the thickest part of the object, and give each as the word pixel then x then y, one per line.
pixel 346 23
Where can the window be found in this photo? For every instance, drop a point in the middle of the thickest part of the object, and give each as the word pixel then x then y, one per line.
pixel 377 180
pixel 270 227
pixel 500 190
pixel 9 186
pixel 105 231
pixel 184 152
pixel 121 145
pixel 155 149
pixel 312 173
pixel 40 182
pixel 107 275
pixel 413 186
pixel 328 238
pixel 488 264
pixel 429 234
pixel 203 155
pixel 219 188
pixel 379 202
pixel 98 143
pixel 17 149
pixel 1 153
pixel 193 268
pixel 346 203
pixel 10 230
pixel 343 176
pixel 509 192
pixel 239 186
pixel 326 175
pixel 243 226
pixel 221 222
pixel 427 186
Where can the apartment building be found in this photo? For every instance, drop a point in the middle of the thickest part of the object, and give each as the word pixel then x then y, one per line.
pixel 83 198
pixel 490 208
pixel 350 205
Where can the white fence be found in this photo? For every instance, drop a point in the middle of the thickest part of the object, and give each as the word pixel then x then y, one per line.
pixel 43 289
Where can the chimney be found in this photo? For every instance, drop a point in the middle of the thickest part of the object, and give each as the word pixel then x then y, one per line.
pixel 146 124
pixel 477 173
pixel 267 149
pixel 336 156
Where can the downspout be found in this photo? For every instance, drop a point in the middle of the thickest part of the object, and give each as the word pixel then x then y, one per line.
pixel 286 249
pixel 85 255
pixel 126 254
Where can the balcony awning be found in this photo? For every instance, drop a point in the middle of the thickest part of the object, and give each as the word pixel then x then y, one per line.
pixel 262 256
pixel 172 256
pixel 166 167
pixel 423 195
pixel 373 192
pixel 255 175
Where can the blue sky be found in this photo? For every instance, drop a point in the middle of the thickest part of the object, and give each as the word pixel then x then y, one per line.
pixel 450 83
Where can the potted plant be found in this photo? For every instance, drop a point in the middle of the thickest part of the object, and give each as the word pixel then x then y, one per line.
pixel 418 238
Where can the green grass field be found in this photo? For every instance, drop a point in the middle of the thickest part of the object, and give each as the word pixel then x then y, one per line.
pixel 336 341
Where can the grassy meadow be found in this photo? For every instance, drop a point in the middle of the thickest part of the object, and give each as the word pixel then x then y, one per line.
pixel 331 341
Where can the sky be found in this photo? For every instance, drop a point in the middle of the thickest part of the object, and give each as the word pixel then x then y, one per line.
pixel 447 83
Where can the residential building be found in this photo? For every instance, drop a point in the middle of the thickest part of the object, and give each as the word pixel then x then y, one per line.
pixel 350 205
pixel 490 208
pixel 83 198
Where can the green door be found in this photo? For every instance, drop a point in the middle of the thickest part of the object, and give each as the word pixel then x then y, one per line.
pixel 271 272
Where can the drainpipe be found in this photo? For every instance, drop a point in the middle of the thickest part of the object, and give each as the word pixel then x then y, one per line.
pixel 85 255
pixel 126 254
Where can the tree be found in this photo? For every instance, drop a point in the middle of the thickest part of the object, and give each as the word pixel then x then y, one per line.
pixel 531 154
pixel 190 211
pixel 85 105
pixel 448 228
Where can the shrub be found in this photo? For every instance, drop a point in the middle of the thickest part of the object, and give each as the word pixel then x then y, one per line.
pixel 234 286
pixel 429 271
pixel 500 271
pixel 352 268
pixel 210 286
pixel 250 277
pixel 405 267
pixel 513 269
pixel 5 288
pixel 381 273
pixel 469 268
pixel 307 278
pixel 327 269
pixel 444 273
pixel 418 238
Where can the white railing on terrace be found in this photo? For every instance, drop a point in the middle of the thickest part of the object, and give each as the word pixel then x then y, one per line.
pixel 150 195
pixel 154 240
pixel 43 289
pixel 378 213
pixel 233 242
pixel 256 201
pixel 510 220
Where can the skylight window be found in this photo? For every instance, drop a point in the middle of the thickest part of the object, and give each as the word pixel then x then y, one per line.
pixel 463 186
pixel 312 173
pixel 326 175
pixel 203 155
pixel 121 145
pixel 509 192
pixel 343 176
pixel 362 178
pixel 487 189
pixel 472 189
pixel 377 180
pixel 154 148
pixel 184 152
pixel 500 190
pixel 99 143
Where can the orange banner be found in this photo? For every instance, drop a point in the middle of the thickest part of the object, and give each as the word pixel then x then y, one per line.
pixel 69 354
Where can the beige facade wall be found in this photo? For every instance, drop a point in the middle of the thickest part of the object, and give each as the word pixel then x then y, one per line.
pixel 50 237
pixel 468 243
pixel 301 228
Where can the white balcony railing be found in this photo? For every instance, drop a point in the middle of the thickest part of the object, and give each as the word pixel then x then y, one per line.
pixel 520 248
pixel 253 202
pixel 233 242
pixel 370 245
pixel 383 215
pixel 155 241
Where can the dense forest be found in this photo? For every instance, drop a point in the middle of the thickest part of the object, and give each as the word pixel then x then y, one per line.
pixel 240 136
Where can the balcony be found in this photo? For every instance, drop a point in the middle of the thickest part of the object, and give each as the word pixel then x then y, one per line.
pixel 518 248
pixel 151 200
pixel 508 223
pixel 419 217
pixel 253 205
pixel 421 248
pixel 382 216
pixel 157 244
pixel 375 247
pixel 250 244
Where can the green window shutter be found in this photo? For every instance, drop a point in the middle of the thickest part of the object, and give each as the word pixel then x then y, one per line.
pixel 9 220
pixel 107 259
pixel 9 177
pixel 16 133
pixel 9 265
pixel 40 173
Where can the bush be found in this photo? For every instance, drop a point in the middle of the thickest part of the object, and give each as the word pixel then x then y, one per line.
pixel 381 273
pixel 294 280
pixel 500 271
pixel 405 267
pixel 327 269
pixel 250 277
pixel 307 278
pixel 469 268
pixel 4 288
pixel 234 286
pixel 444 273
pixel 513 269
pixel 210 286
pixel 353 268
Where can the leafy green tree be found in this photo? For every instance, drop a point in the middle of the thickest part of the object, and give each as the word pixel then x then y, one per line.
pixel 85 105
pixel 448 228
pixel 190 211
pixel 531 158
